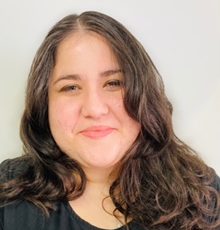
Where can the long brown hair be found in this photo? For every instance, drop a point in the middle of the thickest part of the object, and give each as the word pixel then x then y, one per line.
pixel 162 185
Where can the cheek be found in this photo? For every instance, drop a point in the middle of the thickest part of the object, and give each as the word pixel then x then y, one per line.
pixel 129 126
pixel 116 103
pixel 119 109
pixel 63 116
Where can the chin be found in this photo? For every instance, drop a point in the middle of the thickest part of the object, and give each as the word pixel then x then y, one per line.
pixel 102 165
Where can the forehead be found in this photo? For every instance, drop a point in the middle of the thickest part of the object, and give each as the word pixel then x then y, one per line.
pixel 83 40
pixel 84 51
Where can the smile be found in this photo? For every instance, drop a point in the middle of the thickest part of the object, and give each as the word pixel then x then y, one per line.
pixel 96 132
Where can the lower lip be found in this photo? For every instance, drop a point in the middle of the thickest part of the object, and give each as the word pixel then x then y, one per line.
pixel 96 134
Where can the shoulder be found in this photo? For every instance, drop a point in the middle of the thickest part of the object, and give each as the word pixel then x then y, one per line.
pixel 12 168
pixel 214 200
pixel 21 215
pixel 216 182
pixel 215 186
pixel 213 181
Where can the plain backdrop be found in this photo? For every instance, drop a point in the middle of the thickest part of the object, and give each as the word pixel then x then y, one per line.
pixel 182 38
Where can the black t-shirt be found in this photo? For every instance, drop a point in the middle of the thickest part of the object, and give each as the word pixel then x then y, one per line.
pixel 23 215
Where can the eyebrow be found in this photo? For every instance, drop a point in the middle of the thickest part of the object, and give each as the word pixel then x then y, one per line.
pixel 77 77
pixel 110 72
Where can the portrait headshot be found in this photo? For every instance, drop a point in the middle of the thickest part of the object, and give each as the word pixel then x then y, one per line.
pixel 110 115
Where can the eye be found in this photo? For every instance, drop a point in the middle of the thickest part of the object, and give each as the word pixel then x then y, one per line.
pixel 71 88
pixel 114 85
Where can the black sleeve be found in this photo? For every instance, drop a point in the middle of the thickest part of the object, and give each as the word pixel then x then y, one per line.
pixel 19 214
pixel 12 168
pixel 1 218
pixel 4 172
pixel 7 172
pixel 217 183
pixel 215 202
pixel 3 178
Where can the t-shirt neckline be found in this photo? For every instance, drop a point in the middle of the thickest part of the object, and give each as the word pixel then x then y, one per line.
pixel 86 224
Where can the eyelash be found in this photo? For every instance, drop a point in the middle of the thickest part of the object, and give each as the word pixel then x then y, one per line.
pixel 70 88
pixel 114 84
pixel 111 85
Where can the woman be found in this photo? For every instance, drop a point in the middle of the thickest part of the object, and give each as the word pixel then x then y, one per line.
pixel 100 150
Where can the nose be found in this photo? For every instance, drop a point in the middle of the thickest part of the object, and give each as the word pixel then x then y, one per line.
pixel 94 105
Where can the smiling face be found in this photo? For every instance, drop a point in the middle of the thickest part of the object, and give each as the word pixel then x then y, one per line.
pixel 86 112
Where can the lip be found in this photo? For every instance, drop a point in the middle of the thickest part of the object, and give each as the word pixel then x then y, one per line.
pixel 96 132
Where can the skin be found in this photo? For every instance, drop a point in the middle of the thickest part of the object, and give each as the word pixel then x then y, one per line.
pixel 86 112
pixel 87 117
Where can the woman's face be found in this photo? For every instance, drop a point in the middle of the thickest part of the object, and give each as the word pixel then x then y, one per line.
pixel 86 113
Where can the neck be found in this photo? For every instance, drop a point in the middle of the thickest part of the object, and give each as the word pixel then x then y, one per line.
pixel 100 176
pixel 98 185
pixel 94 205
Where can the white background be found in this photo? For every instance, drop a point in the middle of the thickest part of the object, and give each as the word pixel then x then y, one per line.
pixel 182 37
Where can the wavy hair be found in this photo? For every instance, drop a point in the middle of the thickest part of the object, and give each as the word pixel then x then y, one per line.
pixel 162 185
